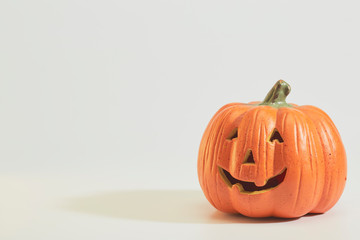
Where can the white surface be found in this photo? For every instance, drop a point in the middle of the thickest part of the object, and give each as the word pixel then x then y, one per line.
pixel 103 104
pixel 58 207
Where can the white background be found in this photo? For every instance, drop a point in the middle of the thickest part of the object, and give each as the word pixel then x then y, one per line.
pixel 103 105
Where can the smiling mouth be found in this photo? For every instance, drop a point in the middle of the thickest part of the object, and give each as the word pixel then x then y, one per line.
pixel 250 187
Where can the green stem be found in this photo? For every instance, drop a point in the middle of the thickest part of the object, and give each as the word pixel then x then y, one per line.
pixel 277 95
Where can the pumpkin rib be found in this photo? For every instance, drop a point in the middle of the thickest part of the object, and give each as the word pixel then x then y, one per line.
pixel 312 142
pixel 234 149
pixel 300 171
pixel 304 132
pixel 215 196
pixel 316 199
pixel 330 136
pixel 269 147
pixel 262 133
pixel 217 150
pixel 316 159
pixel 206 137
pixel 262 144
pixel 205 184
pixel 331 174
pixel 272 172
pixel 310 149
pixel 251 140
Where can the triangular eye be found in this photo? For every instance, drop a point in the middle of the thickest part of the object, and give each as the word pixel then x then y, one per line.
pixel 275 136
pixel 249 158
pixel 233 134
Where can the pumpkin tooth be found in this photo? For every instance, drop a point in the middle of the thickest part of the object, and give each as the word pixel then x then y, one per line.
pixel 240 187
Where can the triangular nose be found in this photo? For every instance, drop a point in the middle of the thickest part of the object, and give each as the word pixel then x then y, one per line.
pixel 249 158
pixel 275 136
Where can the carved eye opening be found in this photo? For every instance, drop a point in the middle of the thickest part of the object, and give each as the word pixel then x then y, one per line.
pixel 275 136
pixel 233 134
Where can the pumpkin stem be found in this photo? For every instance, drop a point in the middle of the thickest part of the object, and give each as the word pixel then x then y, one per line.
pixel 277 95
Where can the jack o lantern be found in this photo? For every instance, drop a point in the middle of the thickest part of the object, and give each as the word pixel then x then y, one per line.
pixel 272 158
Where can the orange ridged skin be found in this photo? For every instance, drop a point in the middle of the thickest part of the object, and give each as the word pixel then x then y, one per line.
pixel 311 151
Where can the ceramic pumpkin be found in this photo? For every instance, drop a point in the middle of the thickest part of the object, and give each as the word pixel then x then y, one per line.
pixel 272 158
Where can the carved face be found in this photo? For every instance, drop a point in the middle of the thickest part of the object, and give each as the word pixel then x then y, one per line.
pixel 249 187
pixel 262 161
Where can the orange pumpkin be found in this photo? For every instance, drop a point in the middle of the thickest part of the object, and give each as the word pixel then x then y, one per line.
pixel 272 158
